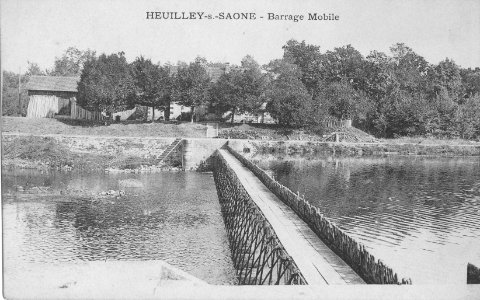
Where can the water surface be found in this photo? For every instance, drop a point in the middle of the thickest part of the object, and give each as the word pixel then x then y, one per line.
pixel 60 218
pixel 419 215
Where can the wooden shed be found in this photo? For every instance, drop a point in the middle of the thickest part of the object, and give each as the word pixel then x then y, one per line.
pixel 52 95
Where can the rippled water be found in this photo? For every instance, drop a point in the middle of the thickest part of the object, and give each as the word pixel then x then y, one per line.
pixel 54 218
pixel 419 215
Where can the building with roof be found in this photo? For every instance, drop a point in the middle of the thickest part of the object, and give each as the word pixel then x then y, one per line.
pixel 52 95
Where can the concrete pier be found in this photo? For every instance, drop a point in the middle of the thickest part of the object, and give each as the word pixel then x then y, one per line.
pixel 198 151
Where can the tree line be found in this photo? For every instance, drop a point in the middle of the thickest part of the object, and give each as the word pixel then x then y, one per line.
pixel 388 95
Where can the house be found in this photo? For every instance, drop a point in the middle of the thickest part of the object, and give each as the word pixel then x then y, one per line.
pixel 53 95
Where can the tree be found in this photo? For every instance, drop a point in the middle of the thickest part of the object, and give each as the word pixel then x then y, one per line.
pixel 152 84
pixel 34 69
pixel 379 75
pixel 344 63
pixel 445 77
pixel 468 118
pixel 15 99
pixel 341 99
pixel 410 69
pixel 71 62
pixel 240 90
pixel 191 84
pixel 307 58
pixel 14 103
pixel 470 81
pixel 288 99
pixel 106 84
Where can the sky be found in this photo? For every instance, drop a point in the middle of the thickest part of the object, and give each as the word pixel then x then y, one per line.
pixel 39 31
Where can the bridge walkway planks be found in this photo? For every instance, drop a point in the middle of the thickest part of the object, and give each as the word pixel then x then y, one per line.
pixel 318 263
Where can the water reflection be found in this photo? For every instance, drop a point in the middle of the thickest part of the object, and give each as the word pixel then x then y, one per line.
pixel 420 215
pixel 175 217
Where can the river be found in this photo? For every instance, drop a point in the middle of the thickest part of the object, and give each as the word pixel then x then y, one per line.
pixel 420 215
pixel 54 218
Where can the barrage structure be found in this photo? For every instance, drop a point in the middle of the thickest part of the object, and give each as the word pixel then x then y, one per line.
pixel 277 237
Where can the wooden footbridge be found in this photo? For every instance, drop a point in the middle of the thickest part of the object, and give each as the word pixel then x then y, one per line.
pixel 276 237
pixel 317 263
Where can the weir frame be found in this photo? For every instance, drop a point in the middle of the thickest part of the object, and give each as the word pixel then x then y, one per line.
pixel 258 255
pixel 371 270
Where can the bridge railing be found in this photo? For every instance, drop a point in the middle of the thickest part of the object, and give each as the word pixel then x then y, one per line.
pixel 353 253
pixel 257 253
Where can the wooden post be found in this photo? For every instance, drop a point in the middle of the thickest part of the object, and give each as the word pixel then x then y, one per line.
pixel 182 154
pixel 19 102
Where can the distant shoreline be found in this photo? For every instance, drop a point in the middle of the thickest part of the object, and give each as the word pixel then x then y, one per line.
pixel 92 153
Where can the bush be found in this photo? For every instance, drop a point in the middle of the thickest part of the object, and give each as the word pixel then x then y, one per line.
pixel 185 116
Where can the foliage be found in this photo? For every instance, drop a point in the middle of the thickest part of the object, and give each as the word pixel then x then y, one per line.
pixel 191 84
pixel 470 81
pixel 307 58
pixel 11 104
pixel 344 63
pixel 153 84
pixel 71 63
pixel 240 90
pixel 340 99
pixel 288 99
pixel 467 118
pixel 106 84
pixel 34 69
pixel 386 94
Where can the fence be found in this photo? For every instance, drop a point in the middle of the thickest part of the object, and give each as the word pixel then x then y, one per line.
pixel 77 112
pixel 353 253
pixel 257 254
pixel 335 123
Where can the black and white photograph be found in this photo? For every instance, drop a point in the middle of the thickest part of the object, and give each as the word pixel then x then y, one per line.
pixel 162 149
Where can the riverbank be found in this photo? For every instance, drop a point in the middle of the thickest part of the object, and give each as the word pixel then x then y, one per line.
pixel 261 132
pixel 87 153
pixel 41 126
pixel 287 148
pixel 65 126
pixel 93 153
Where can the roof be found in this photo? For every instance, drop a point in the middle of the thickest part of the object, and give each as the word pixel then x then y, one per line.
pixel 53 83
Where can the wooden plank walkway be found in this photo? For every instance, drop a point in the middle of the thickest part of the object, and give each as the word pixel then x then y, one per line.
pixel 319 265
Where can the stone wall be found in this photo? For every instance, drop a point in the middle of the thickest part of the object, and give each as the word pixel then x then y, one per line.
pixel 135 146
pixel 351 149
pixel 198 152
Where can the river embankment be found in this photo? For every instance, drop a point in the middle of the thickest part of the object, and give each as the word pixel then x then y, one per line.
pixel 94 153
pixel 309 148
pixel 87 153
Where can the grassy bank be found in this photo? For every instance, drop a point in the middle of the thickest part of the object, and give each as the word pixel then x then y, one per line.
pixel 42 126
pixel 39 126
